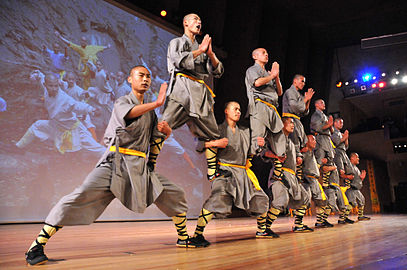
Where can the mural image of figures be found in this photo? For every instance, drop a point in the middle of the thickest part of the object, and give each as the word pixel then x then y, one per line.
pixel 52 131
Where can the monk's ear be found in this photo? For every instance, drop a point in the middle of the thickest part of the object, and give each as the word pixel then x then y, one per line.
pixel 129 79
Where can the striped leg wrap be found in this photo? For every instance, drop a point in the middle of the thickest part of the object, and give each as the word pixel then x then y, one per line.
pixel 155 149
pixel 210 154
pixel 320 214
pixel 204 217
pixel 327 212
pixel 180 222
pixel 299 215
pixel 299 173
pixel 272 214
pixel 360 211
pixel 325 179
pixel 45 234
pixel 347 211
pixel 261 222
pixel 278 170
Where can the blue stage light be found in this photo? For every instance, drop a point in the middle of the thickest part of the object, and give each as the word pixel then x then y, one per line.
pixel 366 77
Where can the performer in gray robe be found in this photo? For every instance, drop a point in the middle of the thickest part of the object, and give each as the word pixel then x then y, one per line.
pixel 355 196
pixel 242 189
pixel 190 99
pixel 296 106
pixel 341 142
pixel 287 192
pixel 263 89
pixel 122 171
pixel 311 184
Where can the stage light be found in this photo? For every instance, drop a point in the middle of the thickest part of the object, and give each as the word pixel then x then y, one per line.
pixel 374 78
pixel 394 81
pixel 383 74
pixel 374 85
pixel 397 72
pixel 363 88
pixel 366 77
pixel 163 13
pixel 346 83
pixel 382 84
pixel 339 84
pixel 355 80
pixel 404 79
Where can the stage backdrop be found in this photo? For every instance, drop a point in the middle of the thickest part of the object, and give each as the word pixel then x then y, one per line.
pixel 35 177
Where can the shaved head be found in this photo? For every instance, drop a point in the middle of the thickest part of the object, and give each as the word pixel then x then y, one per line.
pixel 138 67
pixel 257 51
pixel 188 16
pixel 228 104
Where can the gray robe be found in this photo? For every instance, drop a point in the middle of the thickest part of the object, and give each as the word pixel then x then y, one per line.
pixel 264 121
pixel 341 159
pixel 311 175
pixel 354 194
pixel 288 192
pixel 121 176
pixel 238 189
pixel 188 99
pixel 324 148
pixel 293 103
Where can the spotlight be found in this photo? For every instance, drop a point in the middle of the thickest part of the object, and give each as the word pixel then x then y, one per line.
pixel 397 72
pixel 346 83
pixel 163 13
pixel 339 84
pixel 394 81
pixel 382 84
pixel 355 80
pixel 374 85
pixel 366 77
pixel 383 74
pixel 363 88
pixel 374 78
pixel 404 79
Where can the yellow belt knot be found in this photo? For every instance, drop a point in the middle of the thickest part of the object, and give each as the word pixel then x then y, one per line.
pixel 197 80
pixel 67 138
pixel 291 115
pixel 127 151
pixel 270 105
pixel 249 172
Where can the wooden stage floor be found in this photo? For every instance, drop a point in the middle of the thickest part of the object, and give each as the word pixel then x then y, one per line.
pixel 380 243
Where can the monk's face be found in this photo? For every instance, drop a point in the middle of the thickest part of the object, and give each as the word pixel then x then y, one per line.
pixel 311 141
pixel 193 24
pixel 261 55
pixel 140 79
pixel 338 124
pixel 354 159
pixel 70 78
pixel 320 105
pixel 288 125
pixel 232 112
pixel 299 82
pixel 52 85
pixel 120 77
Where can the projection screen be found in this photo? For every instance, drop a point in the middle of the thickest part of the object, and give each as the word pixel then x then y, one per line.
pixel 40 163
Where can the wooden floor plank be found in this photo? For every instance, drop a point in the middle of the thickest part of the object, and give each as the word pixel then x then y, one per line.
pixel 151 245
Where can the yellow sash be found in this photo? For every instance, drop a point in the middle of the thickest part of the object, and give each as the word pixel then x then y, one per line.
pixel 127 151
pixel 270 105
pixel 67 138
pixel 288 170
pixel 343 190
pixel 197 80
pixel 320 187
pixel 249 172
pixel 333 145
pixel 291 115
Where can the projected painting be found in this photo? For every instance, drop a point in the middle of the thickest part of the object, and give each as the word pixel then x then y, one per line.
pixel 49 142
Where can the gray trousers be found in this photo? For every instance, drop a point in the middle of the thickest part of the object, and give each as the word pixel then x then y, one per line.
pixel 335 198
pixel 315 192
pixel 203 127
pixel 87 202
pixel 281 197
pixel 221 201
pixel 355 197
